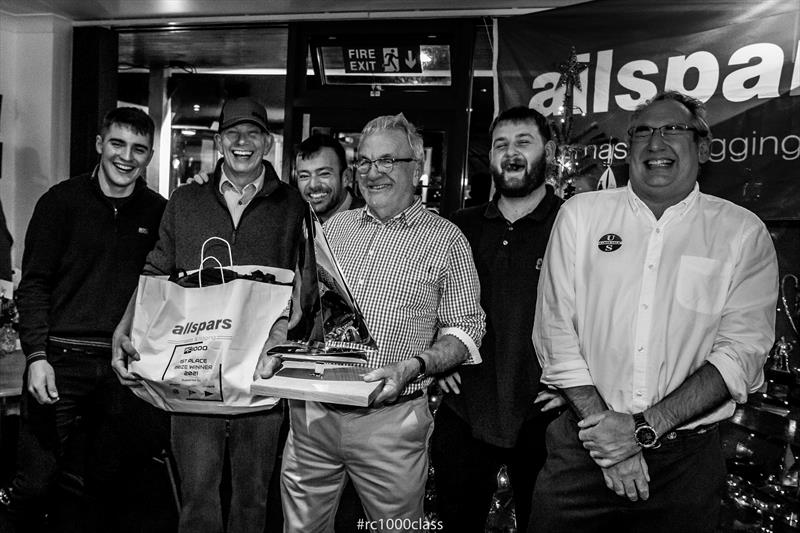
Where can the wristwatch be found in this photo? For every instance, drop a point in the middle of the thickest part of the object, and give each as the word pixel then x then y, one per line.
pixel 422 367
pixel 645 435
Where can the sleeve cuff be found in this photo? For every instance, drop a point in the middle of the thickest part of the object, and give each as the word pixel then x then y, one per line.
pixel 733 376
pixel 35 356
pixel 474 354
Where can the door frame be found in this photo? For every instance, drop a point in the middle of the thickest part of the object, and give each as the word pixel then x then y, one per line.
pixel 437 108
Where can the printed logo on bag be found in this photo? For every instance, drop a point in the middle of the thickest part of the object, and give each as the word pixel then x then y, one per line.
pixel 190 349
pixel 197 327
pixel 609 242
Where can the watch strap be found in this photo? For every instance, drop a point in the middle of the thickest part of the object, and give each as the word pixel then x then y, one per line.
pixel 422 367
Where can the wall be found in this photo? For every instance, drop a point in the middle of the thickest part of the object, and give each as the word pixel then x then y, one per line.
pixel 35 73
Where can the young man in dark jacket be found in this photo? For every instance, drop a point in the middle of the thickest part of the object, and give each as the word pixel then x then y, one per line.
pixel 84 250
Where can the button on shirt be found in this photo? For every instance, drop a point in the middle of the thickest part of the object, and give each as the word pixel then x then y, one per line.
pixel 237 199
pixel 634 305
pixel 413 278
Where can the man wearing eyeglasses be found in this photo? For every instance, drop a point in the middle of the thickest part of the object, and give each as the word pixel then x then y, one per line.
pixel 413 276
pixel 654 315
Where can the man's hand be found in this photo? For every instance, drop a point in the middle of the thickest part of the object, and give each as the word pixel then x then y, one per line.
pixel 450 382
pixel 395 376
pixel 42 382
pixel 199 178
pixel 269 364
pixel 553 398
pixel 122 350
pixel 609 437
pixel 629 478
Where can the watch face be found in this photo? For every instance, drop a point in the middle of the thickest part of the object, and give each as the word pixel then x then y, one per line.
pixel 645 436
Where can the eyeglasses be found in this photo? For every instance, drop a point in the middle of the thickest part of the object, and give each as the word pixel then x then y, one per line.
pixel 382 164
pixel 667 131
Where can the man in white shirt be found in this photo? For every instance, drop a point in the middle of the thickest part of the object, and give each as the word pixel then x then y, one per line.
pixel 655 313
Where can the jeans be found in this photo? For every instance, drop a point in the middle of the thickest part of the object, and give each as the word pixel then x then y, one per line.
pixel 80 438
pixel 198 445
pixel 687 476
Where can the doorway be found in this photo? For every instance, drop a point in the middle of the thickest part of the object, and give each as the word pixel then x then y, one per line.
pixel 341 76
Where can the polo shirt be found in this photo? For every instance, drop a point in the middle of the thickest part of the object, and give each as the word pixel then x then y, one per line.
pixel 497 396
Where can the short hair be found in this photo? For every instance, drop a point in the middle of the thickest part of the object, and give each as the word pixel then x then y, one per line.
pixel 316 142
pixel 519 114
pixel 132 117
pixel 398 123
pixel 695 107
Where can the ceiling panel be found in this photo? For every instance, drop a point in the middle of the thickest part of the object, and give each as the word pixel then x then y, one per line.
pixel 250 47
pixel 110 10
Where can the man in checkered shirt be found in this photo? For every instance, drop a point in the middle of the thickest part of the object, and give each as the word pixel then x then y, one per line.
pixel 413 276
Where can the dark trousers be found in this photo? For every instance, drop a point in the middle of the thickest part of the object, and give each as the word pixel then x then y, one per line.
pixel 687 475
pixel 76 442
pixel 466 470
pixel 199 444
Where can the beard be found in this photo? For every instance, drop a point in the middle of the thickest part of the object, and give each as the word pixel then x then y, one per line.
pixel 517 188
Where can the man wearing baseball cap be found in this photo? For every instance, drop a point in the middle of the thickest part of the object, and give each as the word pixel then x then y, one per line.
pixel 261 217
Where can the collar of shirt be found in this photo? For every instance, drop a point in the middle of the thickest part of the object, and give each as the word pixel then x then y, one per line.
pixel 679 209
pixel 248 191
pixel 537 215
pixel 409 216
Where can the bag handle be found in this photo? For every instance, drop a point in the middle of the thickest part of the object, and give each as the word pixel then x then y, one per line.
pixel 203 259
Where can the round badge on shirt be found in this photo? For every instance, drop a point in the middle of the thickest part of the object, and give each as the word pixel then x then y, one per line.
pixel 609 242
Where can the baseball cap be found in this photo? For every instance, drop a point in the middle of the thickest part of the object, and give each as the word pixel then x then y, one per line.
pixel 241 110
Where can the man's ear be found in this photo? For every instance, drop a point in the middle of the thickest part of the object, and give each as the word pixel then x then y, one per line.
pixel 550 152
pixel 417 174
pixel 347 177
pixel 268 142
pixel 218 143
pixel 703 150
pixel 98 144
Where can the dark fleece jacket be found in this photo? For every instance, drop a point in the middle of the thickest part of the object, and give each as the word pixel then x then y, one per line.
pixel 269 232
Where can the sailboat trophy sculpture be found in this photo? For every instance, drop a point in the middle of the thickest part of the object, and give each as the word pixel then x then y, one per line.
pixel 328 364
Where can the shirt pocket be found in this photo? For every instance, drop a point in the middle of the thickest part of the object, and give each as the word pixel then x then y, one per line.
pixel 702 284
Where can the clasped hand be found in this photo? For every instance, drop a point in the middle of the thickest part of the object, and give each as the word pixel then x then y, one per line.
pixel 609 437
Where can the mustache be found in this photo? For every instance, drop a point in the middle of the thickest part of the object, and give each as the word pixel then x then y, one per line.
pixel 513 163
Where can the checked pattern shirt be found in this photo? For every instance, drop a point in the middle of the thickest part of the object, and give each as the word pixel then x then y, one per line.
pixel 414 279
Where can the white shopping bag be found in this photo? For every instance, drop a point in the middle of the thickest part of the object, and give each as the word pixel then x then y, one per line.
pixel 199 346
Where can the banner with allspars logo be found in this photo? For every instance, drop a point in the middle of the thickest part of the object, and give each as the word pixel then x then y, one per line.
pixel 199 346
pixel 740 57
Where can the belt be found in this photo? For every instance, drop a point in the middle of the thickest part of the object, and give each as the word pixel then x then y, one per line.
pixel 65 345
pixel 683 433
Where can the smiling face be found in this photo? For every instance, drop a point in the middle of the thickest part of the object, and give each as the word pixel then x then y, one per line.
pixel 322 182
pixel 124 154
pixel 243 146
pixel 663 171
pixel 388 194
pixel 518 158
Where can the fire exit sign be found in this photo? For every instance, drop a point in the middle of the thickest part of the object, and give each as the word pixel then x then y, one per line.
pixel 381 59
